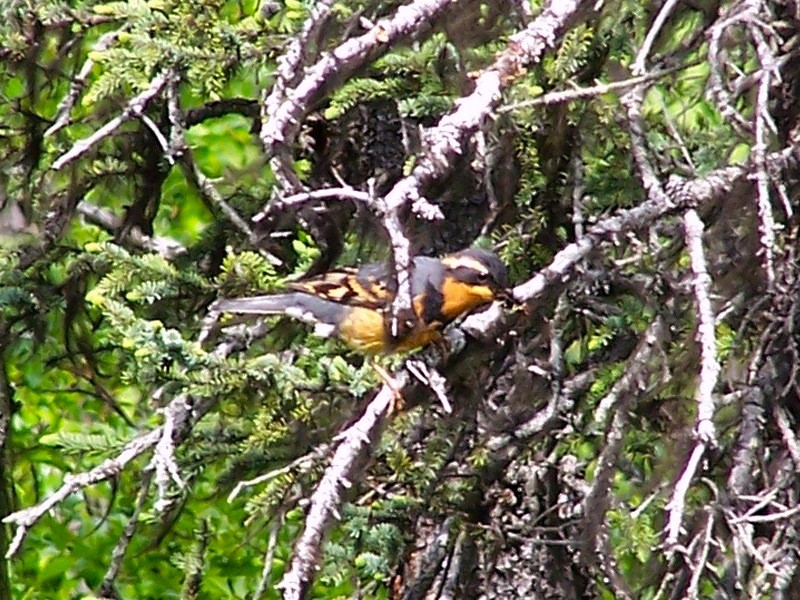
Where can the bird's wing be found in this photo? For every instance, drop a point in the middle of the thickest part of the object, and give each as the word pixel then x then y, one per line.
pixel 373 285
pixel 368 287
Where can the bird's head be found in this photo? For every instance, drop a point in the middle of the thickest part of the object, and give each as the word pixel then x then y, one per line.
pixel 480 273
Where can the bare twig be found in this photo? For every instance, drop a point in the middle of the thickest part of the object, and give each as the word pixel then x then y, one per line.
pixel 269 556
pixel 748 441
pixel 737 13
pixel 433 379
pixel 579 93
pixel 195 563
pixel 302 463
pixel 633 383
pixel 677 503
pixel 578 191
pixel 78 82
pixel 637 67
pixel 709 371
pixel 288 73
pixel 339 193
pixel 135 108
pixel 163 461
pixel 430 563
pixel 107 587
pixel 787 433
pixel 709 366
pixel 702 561
pixel 766 219
pixel 632 101
pixel 203 184
pixel 102 217
pixel 26 518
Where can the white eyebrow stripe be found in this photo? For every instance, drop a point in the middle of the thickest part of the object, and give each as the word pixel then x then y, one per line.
pixel 453 262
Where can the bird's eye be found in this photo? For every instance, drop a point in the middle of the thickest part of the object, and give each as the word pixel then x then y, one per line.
pixel 483 276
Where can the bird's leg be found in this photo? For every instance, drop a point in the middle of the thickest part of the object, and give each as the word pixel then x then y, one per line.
pixel 399 402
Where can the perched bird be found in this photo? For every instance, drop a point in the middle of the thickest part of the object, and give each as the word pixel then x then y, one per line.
pixel 356 304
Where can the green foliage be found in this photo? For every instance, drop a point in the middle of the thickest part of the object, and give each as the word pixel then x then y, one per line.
pixel 358 91
pixel 97 334
pixel 243 271
pixel 165 34
pixel 106 441
pixel 411 77
pixel 363 553
pixel 572 54
pixel 634 539
pixel 632 316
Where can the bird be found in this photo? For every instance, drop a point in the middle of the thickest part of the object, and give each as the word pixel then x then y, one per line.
pixel 355 304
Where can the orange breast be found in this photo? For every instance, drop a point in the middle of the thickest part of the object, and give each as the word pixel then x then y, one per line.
pixel 363 330
pixel 460 298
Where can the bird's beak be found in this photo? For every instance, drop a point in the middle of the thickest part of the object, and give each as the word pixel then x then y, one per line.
pixel 506 295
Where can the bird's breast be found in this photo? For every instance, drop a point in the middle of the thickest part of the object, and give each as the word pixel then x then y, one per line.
pixel 363 329
pixel 459 298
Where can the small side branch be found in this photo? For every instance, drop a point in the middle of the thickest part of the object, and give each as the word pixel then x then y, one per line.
pixel 78 83
pixel 107 587
pixel 706 335
pixel 27 518
pixel 134 109
pixel 163 461
pixel 288 73
pixel 102 217
pixel 177 146
pixel 766 220
pixel 637 67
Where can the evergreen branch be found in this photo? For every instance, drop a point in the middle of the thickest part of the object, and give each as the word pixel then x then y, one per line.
pixel 447 140
pixel 178 146
pixel 579 93
pixel 680 194
pixel 184 414
pixel 303 462
pixel 78 83
pixel 288 73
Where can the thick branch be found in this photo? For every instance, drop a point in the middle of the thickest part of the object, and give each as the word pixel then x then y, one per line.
pixel 349 459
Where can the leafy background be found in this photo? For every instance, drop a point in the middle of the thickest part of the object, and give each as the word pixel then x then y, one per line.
pixel 97 334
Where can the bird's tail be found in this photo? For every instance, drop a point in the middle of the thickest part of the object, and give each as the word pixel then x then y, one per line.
pixel 275 304
pixel 323 314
